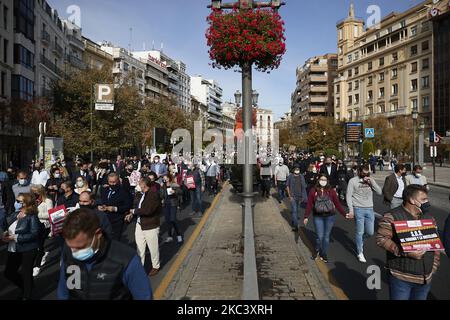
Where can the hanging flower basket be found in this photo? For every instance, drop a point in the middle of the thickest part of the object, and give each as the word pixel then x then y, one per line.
pixel 246 36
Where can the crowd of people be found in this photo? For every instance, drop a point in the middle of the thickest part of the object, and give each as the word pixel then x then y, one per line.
pixel 99 200
pixel 325 185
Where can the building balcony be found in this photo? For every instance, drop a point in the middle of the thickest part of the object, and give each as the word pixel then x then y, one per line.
pixel 51 66
pixel 75 41
pixel 76 62
pixel 45 37
pixel 47 93
pixel 57 49
pixel 215 112
pixel 316 88
pixel 173 87
pixel 174 76
pixel 317 78
pixel 318 99
pixel 396 113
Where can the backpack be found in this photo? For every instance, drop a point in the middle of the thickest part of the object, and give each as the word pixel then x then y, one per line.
pixel 323 205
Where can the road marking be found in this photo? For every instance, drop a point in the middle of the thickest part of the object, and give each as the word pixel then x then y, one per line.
pixel 340 294
pixel 161 290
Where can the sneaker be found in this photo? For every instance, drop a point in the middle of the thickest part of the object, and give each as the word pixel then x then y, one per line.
pixel 36 271
pixel 361 258
pixel 324 259
pixel 168 240
pixel 316 255
pixel 179 239
pixel 44 258
pixel 153 272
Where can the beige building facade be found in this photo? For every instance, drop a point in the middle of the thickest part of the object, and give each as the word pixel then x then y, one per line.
pixel 385 70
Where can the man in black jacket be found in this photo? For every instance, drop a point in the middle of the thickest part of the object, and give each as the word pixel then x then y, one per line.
pixel 69 198
pixel 116 203
pixel 87 201
pixel 330 170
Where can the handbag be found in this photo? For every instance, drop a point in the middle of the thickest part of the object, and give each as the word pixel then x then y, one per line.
pixel 323 205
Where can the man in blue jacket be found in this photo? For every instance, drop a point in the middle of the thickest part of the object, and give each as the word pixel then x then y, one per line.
pixel 96 268
pixel 116 203
pixel 447 237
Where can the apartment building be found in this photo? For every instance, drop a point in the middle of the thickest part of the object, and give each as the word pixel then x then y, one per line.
pixel 179 81
pixel 94 57
pixel 264 130
pixel 314 94
pixel 200 111
pixel 387 70
pixel 209 93
pixel 6 49
pixel 75 50
pixel 126 66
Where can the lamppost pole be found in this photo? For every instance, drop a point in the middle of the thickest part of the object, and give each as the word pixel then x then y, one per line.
pixel 415 115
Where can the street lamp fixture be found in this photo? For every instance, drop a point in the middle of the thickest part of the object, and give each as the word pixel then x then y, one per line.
pixel 255 97
pixel 238 98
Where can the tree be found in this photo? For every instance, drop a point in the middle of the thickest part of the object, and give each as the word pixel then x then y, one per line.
pixel 324 134
pixel 368 148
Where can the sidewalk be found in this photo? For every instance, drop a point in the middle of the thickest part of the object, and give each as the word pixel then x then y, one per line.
pixel 442 175
pixel 213 269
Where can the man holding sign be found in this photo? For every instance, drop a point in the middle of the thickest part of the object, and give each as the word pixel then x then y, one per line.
pixel 410 265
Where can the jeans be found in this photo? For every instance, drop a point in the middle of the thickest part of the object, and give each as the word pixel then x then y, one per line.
pixel 323 226
pixel 196 199
pixel 171 219
pixel 23 279
pixel 365 226
pixel 281 190
pixel 295 208
pixel 265 186
pixel 402 290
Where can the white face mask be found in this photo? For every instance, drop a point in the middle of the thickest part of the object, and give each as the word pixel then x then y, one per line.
pixel 418 175
pixel 80 184
pixel 297 172
pixel 57 176
pixel 323 183
pixel 314 170
pixel 22 182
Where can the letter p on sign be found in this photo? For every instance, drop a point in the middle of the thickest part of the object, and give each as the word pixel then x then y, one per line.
pixel 104 93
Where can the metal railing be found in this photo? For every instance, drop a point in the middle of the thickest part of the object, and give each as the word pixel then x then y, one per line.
pixel 45 36
pixel 50 65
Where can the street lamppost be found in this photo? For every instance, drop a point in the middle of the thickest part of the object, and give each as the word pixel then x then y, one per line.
pixel 238 98
pixel 415 115
pixel 250 287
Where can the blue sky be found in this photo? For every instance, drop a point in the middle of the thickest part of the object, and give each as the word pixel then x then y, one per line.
pixel 181 24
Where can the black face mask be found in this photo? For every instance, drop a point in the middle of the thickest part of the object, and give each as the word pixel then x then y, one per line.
pixel 425 208
pixel 87 207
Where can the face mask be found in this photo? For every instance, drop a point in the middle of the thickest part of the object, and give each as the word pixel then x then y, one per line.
pixel 57 176
pixel 87 207
pixel 404 174
pixel 85 254
pixel 323 184
pixel 18 206
pixel 418 175
pixel 156 161
pixel 63 164
pixel 80 184
pixel 314 171
pixel 281 164
pixel 425 207
pixel 297 172
pixel 22 182
pixel 114 188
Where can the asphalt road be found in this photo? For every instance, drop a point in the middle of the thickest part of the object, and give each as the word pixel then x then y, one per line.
pixel 46 282
pixel 351 275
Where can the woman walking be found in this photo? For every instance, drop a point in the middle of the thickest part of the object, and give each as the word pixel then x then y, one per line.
pixel 43 204
pixel 323 202
pixel 23 243
pixel 171 195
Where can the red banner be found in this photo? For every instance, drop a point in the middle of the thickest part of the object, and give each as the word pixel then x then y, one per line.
pixel 418 235
pixel 57 216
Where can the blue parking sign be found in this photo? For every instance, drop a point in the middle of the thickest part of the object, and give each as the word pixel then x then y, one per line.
pixel 370 133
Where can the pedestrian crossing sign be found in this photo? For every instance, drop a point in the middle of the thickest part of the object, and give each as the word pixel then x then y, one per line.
pixel 370 133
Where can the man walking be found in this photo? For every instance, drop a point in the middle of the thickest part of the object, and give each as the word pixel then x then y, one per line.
pixel 115 202
pixel 331 171
pixel 296 189
pixel 417 178
pixel 410 274
pixel 281 173
pixel 394 186
pixel 360 203
pixel 212 176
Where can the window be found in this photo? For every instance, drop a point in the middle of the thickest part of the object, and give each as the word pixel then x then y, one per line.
pixel 381 93
pixel 350 116
pixel 341 33
pixel 381 77
pixel 425 26
pixel 356 85
pixel 349 58
pixel 5 17
pixel 24 21
pixel 369 67
pixel 394 106
pixel 350 73
pixel 381 62
pixel 370 95
pixel 395 57
pixel 414 67
pixel 350 100
pixel 126 66
pixel 355 31
pixel 23 57
pixel 403 24
pixel 425 82
pixel 395 89
pixel 414 85
pixel 425 64
pixel 370 81
pixel 425 46
pixel 3 85
pixel 414 50
pixel 5 50
pixel 356 98
pixel 426 103
pixel 338 88
pixel 382 108
pixel 22 88
pixel 370 110
pixel 356 55
pixel 350 86
pixel 356 71
pixel 394 73
pixel 414 31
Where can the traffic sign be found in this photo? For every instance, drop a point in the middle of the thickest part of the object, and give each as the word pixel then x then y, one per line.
pixel 433 152
pixel 353 132
pixel 104 97
pixel 370 133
